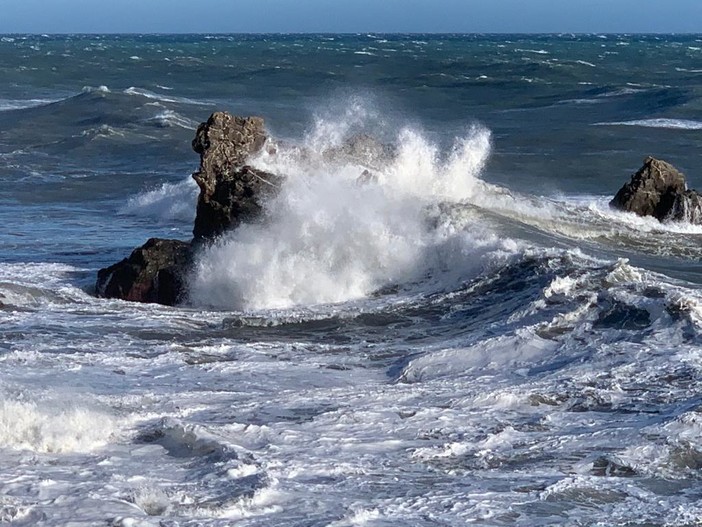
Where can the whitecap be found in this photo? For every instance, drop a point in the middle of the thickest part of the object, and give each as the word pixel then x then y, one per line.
pixel 93 89
pixel 328 238
pixel 55 427
pixel 141 92
pixel 171 201
pixel 673 124
pixel 534 51
pixel 20 104
pixel 170 118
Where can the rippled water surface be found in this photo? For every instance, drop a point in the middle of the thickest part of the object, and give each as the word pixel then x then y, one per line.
pixel 475 337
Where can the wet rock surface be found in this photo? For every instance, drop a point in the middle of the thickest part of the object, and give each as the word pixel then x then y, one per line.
pixel 231 193
pixel 154 272
pixel 658 189
pixel 231 199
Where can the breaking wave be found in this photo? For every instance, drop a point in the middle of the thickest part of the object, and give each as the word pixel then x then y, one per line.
pixel 333 236
pixel 673 124
pixel 29 426
pixel 170 201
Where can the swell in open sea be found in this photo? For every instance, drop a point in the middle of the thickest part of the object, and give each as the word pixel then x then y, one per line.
pixel 475 338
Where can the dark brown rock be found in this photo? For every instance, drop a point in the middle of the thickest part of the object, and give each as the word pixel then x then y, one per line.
pixel 230 192
pixel 235 198
pixel 652 191
pixel 154 272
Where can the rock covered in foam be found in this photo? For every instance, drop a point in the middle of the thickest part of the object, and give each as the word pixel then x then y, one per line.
pixel 364 150
pixel 658 189
pixel 154 272
pixel 687 206
pixel 231 193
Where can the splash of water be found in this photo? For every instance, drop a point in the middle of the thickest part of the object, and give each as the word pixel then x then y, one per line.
pixel 330 237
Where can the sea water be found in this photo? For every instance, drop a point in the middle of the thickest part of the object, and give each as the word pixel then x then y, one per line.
pixel 472 337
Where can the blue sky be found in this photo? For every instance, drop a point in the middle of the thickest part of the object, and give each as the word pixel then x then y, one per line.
pixel 178 16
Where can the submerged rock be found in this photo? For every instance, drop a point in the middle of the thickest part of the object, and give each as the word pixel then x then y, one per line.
pixel 230 192
pixel 658 189
pixel 154 272
pixel 606 467
pixel 362 149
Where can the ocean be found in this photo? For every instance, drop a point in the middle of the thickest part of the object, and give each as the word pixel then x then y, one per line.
pixel 476 338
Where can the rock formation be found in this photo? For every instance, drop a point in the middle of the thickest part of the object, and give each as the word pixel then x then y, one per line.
pixel 154 272
pixel 230 193
pixel 658 189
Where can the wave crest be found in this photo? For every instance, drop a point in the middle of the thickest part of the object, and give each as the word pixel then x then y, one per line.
pixel 331 237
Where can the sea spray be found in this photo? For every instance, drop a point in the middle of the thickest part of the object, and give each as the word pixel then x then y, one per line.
pixel 330 238
pixel 168 202
pixel 52 428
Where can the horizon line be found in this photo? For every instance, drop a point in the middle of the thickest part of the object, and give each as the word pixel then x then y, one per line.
pixel 355 33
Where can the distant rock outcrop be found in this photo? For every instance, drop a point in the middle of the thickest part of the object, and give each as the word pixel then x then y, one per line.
pixel 231 193
pixel 658 189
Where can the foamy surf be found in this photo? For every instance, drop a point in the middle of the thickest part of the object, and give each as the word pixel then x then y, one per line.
pixel 330 238
pixel 50 427
pixel 514 371
pixel 672 124
pixel 169 202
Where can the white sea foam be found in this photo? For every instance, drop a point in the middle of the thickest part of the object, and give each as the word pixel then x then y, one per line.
pixel 503 353
pixel 169 118
pixel 534 51
pixel 93 89
pixel 673 124
pixel 331 239
pixel 52 427
pixel 142 92
pixel 20 104
pixel 623 92
pixel 171 201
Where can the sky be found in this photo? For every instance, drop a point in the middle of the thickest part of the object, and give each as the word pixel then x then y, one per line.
pixel 342 16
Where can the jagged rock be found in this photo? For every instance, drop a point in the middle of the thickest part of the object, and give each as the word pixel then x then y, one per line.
pixel 605 467
pixel 237 197
pixel 654 191
pixel 225 141
pixel 154 272
pixel 230 192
